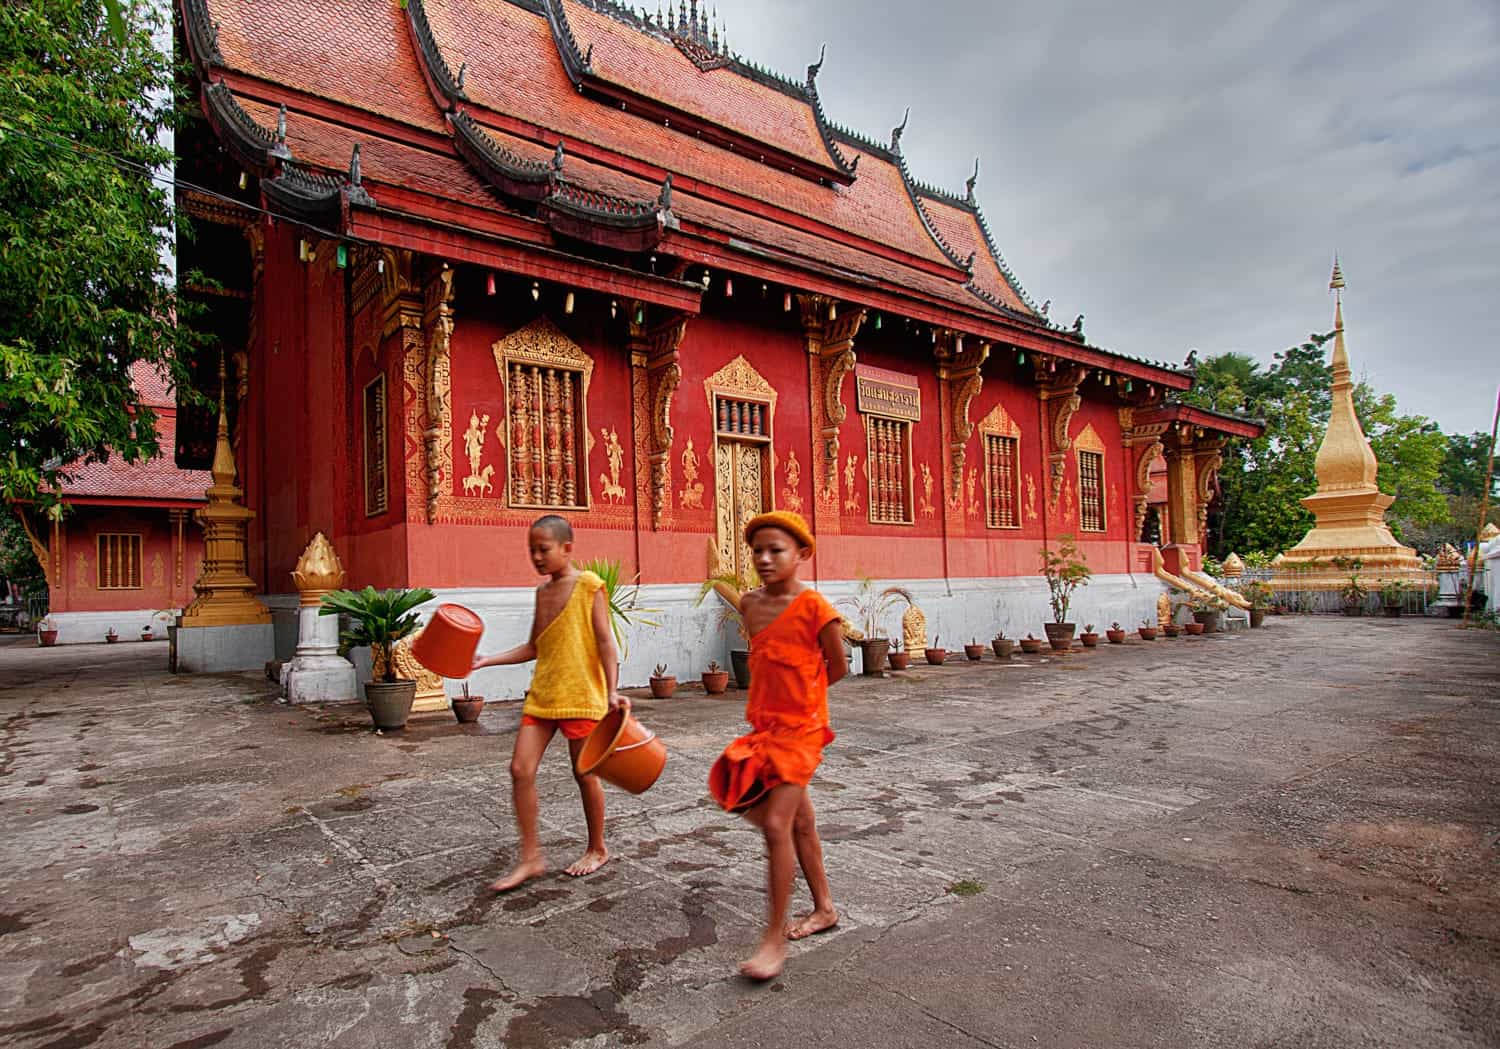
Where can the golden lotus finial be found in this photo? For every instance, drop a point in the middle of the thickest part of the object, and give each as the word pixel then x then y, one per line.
pixel 1233 566
pixel 1489 532
pixel 318 570
pixel 1448 558
pixel 1337 281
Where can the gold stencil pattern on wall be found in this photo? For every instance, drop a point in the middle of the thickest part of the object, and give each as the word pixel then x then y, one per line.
pixel 1031 497
pixel 970 477
pixel 614 453
pixel 851 493
pixel 928 510
pixel 791 497
pixel 691 496
pixel 478 479
pixel 158 570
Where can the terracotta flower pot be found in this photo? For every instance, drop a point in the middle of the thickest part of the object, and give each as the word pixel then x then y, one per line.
pixel 1060 635
pixel 715 682
pixel 1116 637
pixel 146 635
pixel 1148 633
pixel 935 656
pixel 1003 647
pixel 663 687
pixel 111 638
pixel 1193 629
pixel 899 660
pixel 467 710
pixel 974 652
pixel 1171 630
pixel 446 645
pixel 46 638
pixel 874 649
pixel 1031 645
pixel 1090 640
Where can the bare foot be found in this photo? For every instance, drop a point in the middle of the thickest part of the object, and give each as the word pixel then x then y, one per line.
pixel 521 873
pixel 766 962
pixel 811 923
pixel 589 862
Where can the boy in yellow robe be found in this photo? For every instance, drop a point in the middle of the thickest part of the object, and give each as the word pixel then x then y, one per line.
pixel 572 688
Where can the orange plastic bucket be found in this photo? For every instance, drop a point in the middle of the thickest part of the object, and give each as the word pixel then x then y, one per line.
pixel 446 645
pixel 624 752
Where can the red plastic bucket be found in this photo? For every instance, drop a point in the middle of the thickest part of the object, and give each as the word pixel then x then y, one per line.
pixel 446 645
pixel 624 752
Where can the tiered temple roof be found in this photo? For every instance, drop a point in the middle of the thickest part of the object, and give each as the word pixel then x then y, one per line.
pixel 582 127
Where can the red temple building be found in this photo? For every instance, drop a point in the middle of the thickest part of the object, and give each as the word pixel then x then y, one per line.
pixel 482 260
pixel 126 552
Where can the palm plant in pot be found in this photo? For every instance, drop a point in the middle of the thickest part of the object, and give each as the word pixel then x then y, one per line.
pixel 1065 570
pixel 621 598
pixel 1260 596
pixel 380 618
pixel 869 605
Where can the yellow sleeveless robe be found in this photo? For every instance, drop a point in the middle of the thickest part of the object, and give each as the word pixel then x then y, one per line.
pixel 569 679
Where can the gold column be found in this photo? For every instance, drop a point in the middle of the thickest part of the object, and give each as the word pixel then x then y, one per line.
pixel 655 374
pixel 226 593
pixel 1182 487
pixel 829 333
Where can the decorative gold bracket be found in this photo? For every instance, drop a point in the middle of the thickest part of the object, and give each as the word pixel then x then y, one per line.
pixel 959 369
pixel 437 320
pixel 1058 392
pixel 655 372
pixel 829 334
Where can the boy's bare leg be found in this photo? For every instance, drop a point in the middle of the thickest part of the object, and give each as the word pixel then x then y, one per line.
pixel 775 817
pixel 592 793
pixel 823 916
pixel 531 743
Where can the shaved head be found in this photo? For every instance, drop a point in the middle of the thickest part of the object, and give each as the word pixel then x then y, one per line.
pixel 555 527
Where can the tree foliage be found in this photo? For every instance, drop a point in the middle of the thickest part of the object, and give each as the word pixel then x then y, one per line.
pixel 86 237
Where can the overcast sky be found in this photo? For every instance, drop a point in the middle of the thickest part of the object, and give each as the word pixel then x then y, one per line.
pixel 1183 171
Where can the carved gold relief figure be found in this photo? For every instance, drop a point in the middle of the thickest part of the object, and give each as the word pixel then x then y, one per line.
pixel 691 496
pixel 478 479
pixel 82 572
pixel 972 476
pixel 928 510
pixel 791 496
pixel 158 570
pixel 851 498
pixel 609 483
pixel 1030 497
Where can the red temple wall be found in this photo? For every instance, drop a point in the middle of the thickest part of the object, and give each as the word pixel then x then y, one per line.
pixel 81 592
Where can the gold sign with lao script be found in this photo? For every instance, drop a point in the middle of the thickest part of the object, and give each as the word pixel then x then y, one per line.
pixel 879 391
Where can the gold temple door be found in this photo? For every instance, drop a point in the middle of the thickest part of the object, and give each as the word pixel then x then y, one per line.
pixel 740 471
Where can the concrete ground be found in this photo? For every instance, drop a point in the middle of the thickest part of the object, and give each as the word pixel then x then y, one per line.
pixel 1287 837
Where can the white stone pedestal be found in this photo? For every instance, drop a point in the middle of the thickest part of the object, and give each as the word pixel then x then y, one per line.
pixel 219 649
pixel 318 674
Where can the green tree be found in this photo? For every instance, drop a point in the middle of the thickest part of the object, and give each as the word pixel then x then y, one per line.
pixel 1462 472
pixel 86 238
pixel 1411 451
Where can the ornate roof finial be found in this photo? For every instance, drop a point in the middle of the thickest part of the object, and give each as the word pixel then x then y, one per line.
pixel 813 70
pixel 281 123
pixel 463 71
pixel 897 131
pixel 969 262
pixel 1078 324
pixel 1337 281
pixel 354 173
pixel 969 185
pixel 664 201
pixel 557 159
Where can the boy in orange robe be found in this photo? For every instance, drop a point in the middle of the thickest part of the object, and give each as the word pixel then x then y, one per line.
pixel 796 652
pixel 573 687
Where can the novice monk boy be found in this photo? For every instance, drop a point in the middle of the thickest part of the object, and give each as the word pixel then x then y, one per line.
pixel 572 688
pixel 796 652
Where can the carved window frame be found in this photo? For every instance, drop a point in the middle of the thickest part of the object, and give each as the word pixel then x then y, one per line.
pixel 906 477
pixel 375 442
pixel 542 345
pixel 108 547
pixel 999 426
pixel 1088 443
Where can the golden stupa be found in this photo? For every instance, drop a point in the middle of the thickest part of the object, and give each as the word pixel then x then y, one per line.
pixel 1349 507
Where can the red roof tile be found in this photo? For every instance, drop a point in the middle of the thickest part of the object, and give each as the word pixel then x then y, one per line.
pixel 157 479
pixel 959 226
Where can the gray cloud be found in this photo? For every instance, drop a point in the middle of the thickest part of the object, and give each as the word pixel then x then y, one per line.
pixel 1183 172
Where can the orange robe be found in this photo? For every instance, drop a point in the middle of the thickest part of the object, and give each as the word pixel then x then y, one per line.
pixel 788 708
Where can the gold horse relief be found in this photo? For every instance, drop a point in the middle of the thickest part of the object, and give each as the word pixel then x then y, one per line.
pixel 791 496
pixel 478 479
pixel 613 491
pixel 851 494
pixel 928 510
pixel 691 495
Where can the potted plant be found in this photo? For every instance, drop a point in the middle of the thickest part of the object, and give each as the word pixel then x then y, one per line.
pixel 46 632
pixel 467 708
pixel 974 651
pixel 1065 571
pixel 1352 593
pixel 729 586
pixel 1393 597
pixel 715 679
pixel 111 636
pixel 936 654
pixel 899 658
pixel 622 599
pixel 146 634
pixel 1260 596
pixel 380 618
pixel 868 606
pixel 1170 628
pixel 1147 630
pixel 1002 645
pixel 1207 610
pixel 1194 628
pixel 1031 645
pixel 1088 637
pixel 1115 634
pixel 662 683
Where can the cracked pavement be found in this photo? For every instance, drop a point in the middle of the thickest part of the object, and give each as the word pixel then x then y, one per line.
pixel 1285 837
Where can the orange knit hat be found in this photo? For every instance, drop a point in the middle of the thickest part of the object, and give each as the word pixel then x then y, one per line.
pixel 788 522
